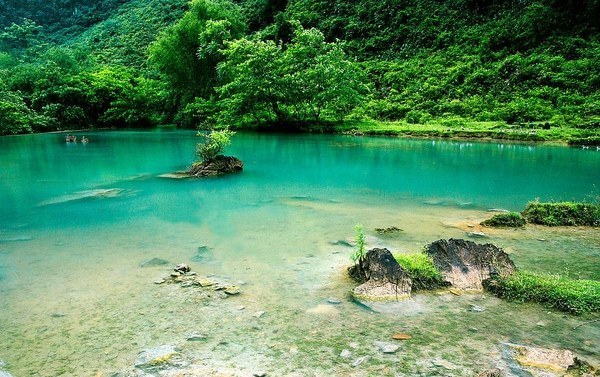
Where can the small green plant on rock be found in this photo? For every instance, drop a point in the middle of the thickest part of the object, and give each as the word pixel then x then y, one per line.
pixel 214 144
pixel 511 219
pixel 360 239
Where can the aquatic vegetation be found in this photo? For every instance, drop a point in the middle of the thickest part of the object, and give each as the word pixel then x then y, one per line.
pixel 573 296
pixel 560 214
pixel 421 270
pixel 511 219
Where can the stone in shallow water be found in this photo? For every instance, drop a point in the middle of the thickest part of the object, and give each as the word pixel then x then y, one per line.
pixel 232 290
pixel 155 357
pixel 323 310
pixel 360 361
pixel 333 301
pixel 386 347
pixel 154 262
pixel 5 374
pixel 346 354
pixel 195 337
pixel 401 336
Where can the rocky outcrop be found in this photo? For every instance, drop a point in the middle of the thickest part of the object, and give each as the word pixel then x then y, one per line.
pixel 466 265
pixel 383 277
pixel 218 166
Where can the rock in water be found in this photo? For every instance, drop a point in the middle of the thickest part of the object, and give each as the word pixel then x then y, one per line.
pixel 387 347
pixel 218 166
pixel 385 279
pixel 156 357
pixel 154 262
pixel 466 265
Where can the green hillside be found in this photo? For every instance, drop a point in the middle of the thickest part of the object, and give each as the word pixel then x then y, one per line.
pixel 282 63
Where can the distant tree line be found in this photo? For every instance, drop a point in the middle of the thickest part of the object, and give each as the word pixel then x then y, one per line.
pixel 245 63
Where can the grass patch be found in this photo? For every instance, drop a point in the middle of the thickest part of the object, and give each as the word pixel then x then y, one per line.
pixel 421 270
pixel 573 296
pixel 511 219
pixel 562 214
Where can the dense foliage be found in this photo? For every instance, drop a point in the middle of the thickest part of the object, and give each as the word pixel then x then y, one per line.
pixel 248 62
pixel 574 296
pixel 566 213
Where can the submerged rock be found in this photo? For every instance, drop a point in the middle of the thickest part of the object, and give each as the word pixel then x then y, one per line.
pixel 154 262
pixel 156 358
pixel 385 279
pixel 386 347
pixel 546 362
pixel 218 166
pixel 466 265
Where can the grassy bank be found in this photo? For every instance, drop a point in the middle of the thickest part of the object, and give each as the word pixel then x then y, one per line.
pixel 573 296
pixel 563 214
pixel 464 129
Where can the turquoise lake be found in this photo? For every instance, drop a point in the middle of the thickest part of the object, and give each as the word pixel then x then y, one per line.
pixel 79 220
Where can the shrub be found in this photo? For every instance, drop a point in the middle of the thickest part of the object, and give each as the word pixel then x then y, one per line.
pixel 512 219
pixel 214 144
pixel 359 238
pixel 421 270
pixel 573 296
pixel 561 214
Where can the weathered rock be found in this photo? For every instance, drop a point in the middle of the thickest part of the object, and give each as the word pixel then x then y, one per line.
pixel 360 361
pixel 466 265
pixel 218 166
pixel 544 358
pixel 385 279
pixel 490 373
pixel 154 262
pixel 386 347
pixel 323 309
pixel 182 268
pixel 232 290
pixel 156 357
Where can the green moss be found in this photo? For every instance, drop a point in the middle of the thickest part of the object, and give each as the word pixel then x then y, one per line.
pixel 561 214
pixel 573 296
pixel 512 219
pixel 421 270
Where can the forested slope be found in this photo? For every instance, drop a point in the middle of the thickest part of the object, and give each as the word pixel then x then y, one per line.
pixel 119 63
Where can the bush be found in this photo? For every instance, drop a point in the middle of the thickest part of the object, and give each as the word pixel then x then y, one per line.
pixel 573 296
pixel 214 144
pixel 421 270
pixel 512 219
pixel 562 214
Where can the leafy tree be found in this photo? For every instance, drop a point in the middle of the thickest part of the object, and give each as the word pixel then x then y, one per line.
pixel 308 81
pixel 188 52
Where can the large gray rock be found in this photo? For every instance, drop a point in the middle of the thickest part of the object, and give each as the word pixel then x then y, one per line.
pixel 217 166
pixel 383 276
pixel 466 265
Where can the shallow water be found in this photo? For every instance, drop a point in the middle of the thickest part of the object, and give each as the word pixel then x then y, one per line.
pixel 78 220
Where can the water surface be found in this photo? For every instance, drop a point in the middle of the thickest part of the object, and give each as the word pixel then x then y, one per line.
pixel 78 219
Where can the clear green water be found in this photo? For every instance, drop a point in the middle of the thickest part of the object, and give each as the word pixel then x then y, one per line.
pixel 75 301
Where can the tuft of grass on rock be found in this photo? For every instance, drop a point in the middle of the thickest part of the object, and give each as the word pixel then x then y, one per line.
pixel 562 214
pixel 573 296
pixel 421 270
pixel 511 220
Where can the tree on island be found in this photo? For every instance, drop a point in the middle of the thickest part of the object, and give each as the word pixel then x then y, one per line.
pixel 211 160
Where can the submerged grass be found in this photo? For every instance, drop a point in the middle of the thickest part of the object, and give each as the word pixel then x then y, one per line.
pixel 573 296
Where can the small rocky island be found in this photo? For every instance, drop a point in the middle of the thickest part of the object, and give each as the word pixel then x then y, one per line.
pixel 219 165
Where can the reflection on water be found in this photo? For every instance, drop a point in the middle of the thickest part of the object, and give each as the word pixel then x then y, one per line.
pixel 78 220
